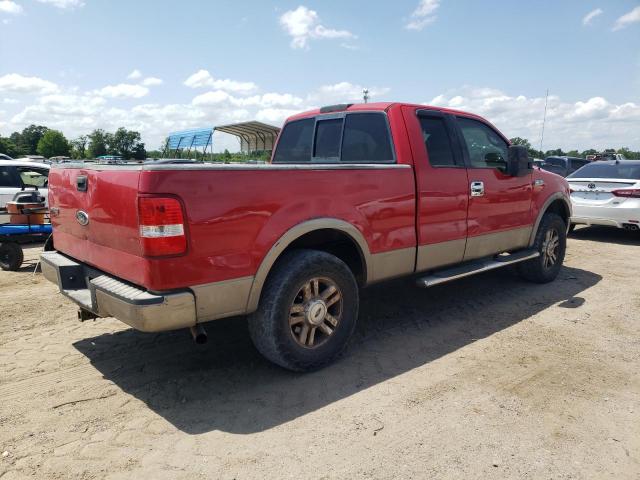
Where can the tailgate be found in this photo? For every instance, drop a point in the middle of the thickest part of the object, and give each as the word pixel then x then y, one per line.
pixel 94 217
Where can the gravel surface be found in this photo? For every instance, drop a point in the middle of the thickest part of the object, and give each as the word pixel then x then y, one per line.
pixel 487 377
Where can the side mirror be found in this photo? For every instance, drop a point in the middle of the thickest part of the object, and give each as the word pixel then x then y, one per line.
pixel 518 163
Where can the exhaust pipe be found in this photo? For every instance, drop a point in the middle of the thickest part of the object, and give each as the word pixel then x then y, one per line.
pixel 199 334
pixel 630 226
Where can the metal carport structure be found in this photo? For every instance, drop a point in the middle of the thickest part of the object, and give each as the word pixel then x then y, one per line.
pixel 253 136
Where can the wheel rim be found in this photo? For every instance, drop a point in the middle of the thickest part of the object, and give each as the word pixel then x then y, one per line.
pixel 550 248
pixel 316 312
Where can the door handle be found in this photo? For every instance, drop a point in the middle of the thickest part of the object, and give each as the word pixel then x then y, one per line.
pixel 477 189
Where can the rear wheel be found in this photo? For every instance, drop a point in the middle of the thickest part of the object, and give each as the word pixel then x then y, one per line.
pixel 308 310
pixel 11 256
pixel 551 242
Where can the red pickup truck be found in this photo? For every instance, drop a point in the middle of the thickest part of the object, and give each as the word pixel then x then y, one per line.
pixel 353 195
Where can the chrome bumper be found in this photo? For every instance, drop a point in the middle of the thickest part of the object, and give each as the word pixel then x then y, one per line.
pixel 106 296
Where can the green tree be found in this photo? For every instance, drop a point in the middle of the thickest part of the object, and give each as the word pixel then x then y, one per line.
pixel 53 144
pixel 591 151
pixel 29 138
pixel 97 143
pixel 79 147
pixel 533 153
pixel 573 153
pixel 9 148
pixel 554 153
pixel 126 143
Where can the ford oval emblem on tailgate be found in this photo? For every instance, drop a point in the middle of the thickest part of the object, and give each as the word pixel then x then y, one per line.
pixel 82 217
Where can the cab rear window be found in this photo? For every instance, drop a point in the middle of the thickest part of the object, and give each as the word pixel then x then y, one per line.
pixel 350 138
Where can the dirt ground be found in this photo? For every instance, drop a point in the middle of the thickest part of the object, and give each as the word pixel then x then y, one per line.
pixel 487 377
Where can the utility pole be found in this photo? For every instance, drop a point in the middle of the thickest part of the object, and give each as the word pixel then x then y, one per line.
pixel 365 95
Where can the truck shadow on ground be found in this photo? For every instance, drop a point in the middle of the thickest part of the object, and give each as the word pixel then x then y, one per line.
pixel 606 234
pixel 226 385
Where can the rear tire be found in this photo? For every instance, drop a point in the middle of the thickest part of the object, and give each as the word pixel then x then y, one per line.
pixel 551 242
pixel 11 256
pixel 308 311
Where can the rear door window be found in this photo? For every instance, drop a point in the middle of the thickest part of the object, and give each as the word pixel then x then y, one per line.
pixel 366 139
pixel 294 145
pixel 437 142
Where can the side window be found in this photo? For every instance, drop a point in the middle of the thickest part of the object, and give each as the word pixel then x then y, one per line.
pixel 486 148
pixel 366 138
pixel 437 142
pixel 294 145
pixel 328 135
pixel 8 178
pixel 33 177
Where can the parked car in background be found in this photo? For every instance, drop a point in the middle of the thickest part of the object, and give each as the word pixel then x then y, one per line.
pixel 605 156
pixel 16 175
pixel 354 195
pixel 32 158
pixel 563 166
pixel 607 193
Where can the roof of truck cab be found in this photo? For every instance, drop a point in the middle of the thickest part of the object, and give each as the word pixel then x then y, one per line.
pixel 380 106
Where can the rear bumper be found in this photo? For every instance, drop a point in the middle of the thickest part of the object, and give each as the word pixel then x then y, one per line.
pixel 107 296
pixel 627 212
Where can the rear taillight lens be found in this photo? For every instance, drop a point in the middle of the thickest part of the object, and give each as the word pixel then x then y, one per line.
pixel 629 193
pixel 161 226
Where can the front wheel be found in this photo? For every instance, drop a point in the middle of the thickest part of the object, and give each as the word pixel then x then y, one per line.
pixel 308 310
pixel 551 242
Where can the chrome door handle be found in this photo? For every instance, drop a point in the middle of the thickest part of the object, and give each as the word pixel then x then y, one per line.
pixel 477 189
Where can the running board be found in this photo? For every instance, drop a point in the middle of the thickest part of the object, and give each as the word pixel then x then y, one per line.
pixel 478 266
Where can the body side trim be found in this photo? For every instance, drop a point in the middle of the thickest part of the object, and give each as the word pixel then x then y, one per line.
pixel 222 299
pixel 394 263
pixel 492 243
pixel 440 254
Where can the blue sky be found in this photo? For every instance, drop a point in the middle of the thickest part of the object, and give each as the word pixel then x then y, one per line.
pixel 157 65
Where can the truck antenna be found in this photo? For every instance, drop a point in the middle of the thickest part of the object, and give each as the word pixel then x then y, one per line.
pixel 365 95
pixel 544 118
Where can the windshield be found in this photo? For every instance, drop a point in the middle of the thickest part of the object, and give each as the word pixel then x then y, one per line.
pixel 608 170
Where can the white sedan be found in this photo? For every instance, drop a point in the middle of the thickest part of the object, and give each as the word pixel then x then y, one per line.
pixel 606 193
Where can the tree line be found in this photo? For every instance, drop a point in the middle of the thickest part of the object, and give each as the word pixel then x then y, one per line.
pixel 41 140
pixel 558 152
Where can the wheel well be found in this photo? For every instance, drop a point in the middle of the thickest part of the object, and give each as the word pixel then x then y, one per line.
pixel 336 243
pixel 559 207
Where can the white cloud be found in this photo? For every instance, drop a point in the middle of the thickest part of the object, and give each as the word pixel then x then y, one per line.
pixel 588 18
pixel 135 74
pixel 64 4
pixel 303 24
pixel 423 15
pixel 7 6
pixel 202 78
pixel 627 19
pixel 591 123
pixel 151 81
pixel 123 90
pixel 16 83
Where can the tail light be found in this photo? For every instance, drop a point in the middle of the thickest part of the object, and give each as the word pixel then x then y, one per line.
pixel 628 193
pixel 161 226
